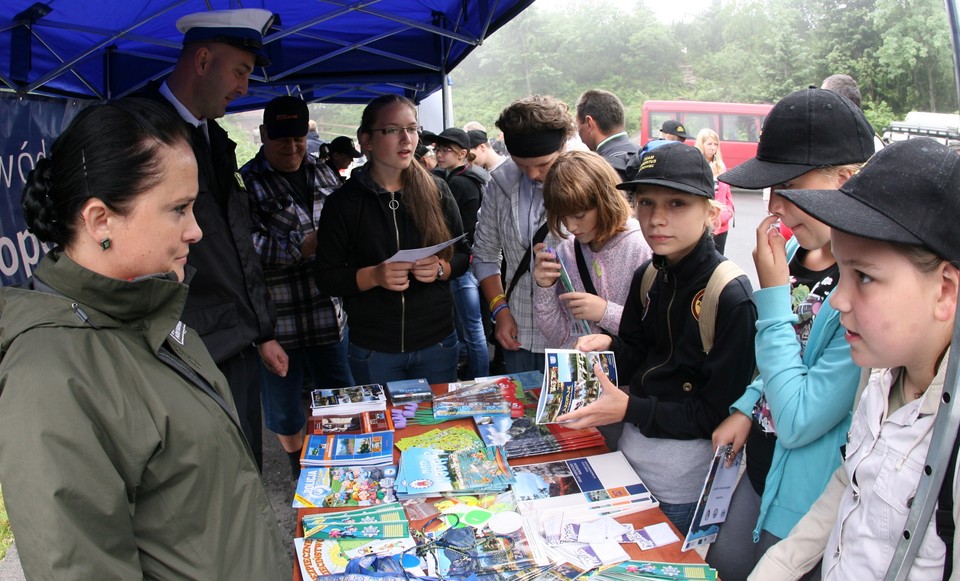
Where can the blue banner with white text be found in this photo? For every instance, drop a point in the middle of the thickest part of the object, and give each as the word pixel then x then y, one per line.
pixel 28 128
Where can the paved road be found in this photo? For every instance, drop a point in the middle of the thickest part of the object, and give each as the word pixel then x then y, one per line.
pixel 740 243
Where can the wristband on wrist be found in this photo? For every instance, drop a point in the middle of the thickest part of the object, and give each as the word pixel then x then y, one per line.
pixel 493 315
pixel 496 299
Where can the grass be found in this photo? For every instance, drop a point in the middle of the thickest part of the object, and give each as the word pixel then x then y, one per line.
pixel 6 535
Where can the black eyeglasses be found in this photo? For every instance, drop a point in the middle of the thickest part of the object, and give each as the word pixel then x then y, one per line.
pixel 394 131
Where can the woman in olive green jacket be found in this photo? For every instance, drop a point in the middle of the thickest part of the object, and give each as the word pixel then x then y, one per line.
pixel 121 456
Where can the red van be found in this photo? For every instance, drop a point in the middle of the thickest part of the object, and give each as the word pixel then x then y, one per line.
pixel 737 124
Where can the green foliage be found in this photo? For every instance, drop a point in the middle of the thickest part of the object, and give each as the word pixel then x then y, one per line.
pixel 745 50
pixel 6 534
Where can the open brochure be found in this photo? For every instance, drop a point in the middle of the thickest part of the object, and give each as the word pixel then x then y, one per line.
pixel 415 254
pixel 714 499
pixel 569 382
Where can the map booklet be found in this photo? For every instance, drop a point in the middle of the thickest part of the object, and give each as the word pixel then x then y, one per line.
pixel 569 382
pixel 714 499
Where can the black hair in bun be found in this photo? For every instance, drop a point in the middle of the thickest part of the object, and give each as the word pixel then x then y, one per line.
pixel 111 152
pixel 39 209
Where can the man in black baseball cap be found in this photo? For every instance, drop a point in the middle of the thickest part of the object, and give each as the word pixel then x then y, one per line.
pixel 342 154
pixel 673 130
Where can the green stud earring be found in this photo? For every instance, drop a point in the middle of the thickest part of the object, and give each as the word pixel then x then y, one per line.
pixel 105 244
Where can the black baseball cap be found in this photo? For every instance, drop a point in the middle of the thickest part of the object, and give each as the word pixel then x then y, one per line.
pixel 344 144
pixel 286 117
pixel 477 137
pixel 674 127
pixel 909 192
pixel 450 136
pixel 807 129
pixel 674 165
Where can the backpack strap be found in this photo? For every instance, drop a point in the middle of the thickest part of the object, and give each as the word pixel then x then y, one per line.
pixel 646 283
pixel 725 272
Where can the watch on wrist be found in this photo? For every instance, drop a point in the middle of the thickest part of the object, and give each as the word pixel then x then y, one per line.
pixel 439 270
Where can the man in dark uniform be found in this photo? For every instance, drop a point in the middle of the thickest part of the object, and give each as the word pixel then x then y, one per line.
pixel 601 122
pixel 228 304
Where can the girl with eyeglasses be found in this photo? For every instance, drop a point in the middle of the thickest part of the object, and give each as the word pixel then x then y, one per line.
pixel 401 313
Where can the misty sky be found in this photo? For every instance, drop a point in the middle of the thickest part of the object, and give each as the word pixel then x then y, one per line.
pixel 667 11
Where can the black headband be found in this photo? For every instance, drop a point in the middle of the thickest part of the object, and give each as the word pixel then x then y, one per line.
pixel 534 143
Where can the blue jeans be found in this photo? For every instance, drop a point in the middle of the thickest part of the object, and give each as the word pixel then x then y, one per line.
pixel 522 360
pixel 436 363
pixel 681 515
pixel 327 367
pixel 466 300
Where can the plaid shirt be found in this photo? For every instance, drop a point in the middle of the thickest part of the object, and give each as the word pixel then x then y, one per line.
pixel 305 317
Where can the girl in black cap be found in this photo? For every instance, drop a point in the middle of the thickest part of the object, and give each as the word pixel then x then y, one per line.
pixel 680 387
pixel 794 416
pixel 895 238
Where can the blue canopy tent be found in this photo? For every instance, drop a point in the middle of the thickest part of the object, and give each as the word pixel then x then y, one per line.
pixel 58 55
pixel 335 51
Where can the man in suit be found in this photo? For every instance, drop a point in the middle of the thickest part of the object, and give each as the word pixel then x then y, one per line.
pixel 601 122
pixel 228 304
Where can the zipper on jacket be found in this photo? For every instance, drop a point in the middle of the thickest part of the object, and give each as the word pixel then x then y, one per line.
pixel 673 296
pixel 393 205
pixel 82 315
pixel 168 357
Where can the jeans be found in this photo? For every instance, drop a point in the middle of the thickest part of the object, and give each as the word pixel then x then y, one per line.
pixel 522 360
pixel 466 300
pixel 436 363
pixel 327 367
pixel 681 515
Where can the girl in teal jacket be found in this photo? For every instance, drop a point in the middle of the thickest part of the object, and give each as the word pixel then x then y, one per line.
pixel 793 418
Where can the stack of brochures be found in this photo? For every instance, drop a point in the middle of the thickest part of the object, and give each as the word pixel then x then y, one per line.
pixel 569 382
pixel 487 397
pixel 653 571
pixel 580 490
pixel 320 487
pixel 432 472
pixel 348 400
pixel 523 436
pixel 355 423
pixel 373 449
pixel 386 521
pixel 318 557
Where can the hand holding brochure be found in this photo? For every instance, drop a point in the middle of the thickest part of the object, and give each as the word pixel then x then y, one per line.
pixel 415 254
pixel 714 499
pixel 583 327
pixel 569 382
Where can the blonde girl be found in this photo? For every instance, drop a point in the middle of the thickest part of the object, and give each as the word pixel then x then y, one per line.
pixel 677 393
